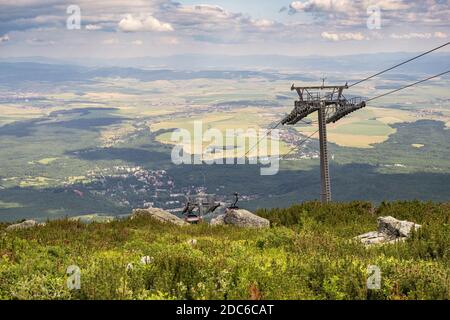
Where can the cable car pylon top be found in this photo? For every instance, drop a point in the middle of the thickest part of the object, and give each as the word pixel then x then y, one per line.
pixel 337 105
pixel 312 98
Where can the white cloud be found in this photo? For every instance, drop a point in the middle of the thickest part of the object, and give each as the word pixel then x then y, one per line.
pixel 170 40
pixel 263 23
pixel 347 6
pixel 343 36
pixel 412 35
pixel 330 36
pixel 138 42
pixel 207 10
pixel 323 5
pixel 390 5
pixel 150 23
pixel 394 12
pixel 205 17
pixel 93 27
pixel 111 41
pixel 440 35
pixel 4 38
pixel 40 42
pixel 418 35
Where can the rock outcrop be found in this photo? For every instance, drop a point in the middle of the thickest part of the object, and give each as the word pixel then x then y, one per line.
pixel 396 228
pixel 390 230
pixel 218 221
pixel 160 215
pixel 241 218
pixel 23 225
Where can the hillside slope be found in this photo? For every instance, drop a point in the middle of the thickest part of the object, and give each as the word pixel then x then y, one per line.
pixel 306 254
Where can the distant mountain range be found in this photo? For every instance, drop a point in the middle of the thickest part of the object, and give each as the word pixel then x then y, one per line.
pixel 184 67
pixel 351 63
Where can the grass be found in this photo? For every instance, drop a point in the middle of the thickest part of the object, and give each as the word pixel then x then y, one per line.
pixel 46 161
pixel 364 128
pixel 306 254
pixel 237 119
pixel 34 182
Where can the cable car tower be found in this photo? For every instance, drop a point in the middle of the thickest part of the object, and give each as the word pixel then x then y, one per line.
pixel 331 105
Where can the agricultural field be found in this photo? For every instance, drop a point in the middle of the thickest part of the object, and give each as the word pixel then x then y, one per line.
pixel 250 121
pixel 368 127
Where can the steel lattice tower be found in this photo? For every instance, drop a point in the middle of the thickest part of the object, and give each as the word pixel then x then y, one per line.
pixel 324 166
pixel 331 106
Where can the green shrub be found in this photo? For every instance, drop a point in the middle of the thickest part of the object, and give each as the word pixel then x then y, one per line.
pixel 306 254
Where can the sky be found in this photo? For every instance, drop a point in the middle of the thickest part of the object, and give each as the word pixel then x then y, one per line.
pixel 138 28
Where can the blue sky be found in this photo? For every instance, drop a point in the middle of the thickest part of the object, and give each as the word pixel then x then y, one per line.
pixel 135 28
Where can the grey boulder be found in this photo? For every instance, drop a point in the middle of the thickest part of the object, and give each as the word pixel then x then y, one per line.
pixel 218 221
pixel 160 215
pixel 396 228
pixel 23 225
pixel 373 237
pixel 390 230
pixel 244 218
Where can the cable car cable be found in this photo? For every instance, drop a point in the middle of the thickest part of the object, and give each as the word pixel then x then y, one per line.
pixel 408 86
pixel 399 64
